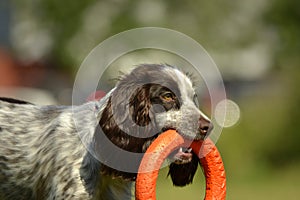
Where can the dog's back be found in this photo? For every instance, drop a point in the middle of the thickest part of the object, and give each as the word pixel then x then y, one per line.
pixel 42 155
pixel 31 155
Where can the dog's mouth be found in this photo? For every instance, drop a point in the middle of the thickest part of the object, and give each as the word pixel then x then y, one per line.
pixel 191 135
pixel 181 155
pixel 190 126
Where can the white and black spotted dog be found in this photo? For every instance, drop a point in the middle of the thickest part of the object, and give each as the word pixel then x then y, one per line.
pixel 60 152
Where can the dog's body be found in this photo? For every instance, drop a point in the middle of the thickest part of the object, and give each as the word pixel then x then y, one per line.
pixel 42 155
pixel 55 152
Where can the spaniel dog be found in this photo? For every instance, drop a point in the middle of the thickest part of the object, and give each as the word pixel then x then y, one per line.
pixel 80 152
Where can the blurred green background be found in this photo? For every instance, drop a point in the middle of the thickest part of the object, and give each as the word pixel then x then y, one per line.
pixel 254 43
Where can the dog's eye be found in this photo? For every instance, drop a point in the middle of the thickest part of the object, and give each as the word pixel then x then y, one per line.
pixel 167 96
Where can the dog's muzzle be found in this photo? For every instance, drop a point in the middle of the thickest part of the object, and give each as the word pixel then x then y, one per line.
pixel 205 126
pixel 188 121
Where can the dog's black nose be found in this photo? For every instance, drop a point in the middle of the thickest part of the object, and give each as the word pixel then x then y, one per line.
pixel 205 126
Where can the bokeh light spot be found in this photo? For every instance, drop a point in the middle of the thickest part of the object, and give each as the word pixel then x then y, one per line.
pixel 227 113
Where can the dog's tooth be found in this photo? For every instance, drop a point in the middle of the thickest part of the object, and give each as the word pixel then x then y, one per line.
pixel 180 150
pixel 189 150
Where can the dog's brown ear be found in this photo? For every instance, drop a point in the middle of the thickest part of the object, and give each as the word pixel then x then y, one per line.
pixel 140 106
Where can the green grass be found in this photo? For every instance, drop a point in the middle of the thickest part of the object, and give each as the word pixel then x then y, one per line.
pixel 273 185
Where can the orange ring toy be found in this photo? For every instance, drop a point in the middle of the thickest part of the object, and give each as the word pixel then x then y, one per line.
pixel 208 155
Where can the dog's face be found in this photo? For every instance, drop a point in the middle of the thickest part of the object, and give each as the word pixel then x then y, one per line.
pixel 178 107
pixel 146 102
pixel 157 98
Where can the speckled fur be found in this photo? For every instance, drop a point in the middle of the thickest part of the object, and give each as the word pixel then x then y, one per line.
pixel 42 155
pixel 47 152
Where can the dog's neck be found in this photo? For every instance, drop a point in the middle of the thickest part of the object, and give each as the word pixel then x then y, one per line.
pixel 111 142
pixel 101 186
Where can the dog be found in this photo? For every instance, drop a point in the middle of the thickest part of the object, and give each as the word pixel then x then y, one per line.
pixel 77 152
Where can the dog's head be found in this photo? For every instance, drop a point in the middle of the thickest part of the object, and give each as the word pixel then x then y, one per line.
pixel 153 98
pixel 150 99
